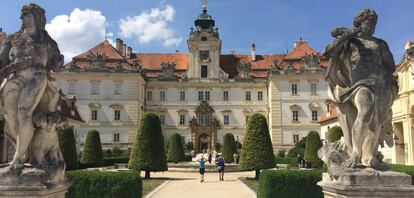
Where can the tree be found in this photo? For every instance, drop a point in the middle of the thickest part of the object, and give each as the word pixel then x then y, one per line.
pixel 257 151
pixel 298 149
pixel 175 150
pixel 92 154
pixel 148 152
pixel 217 146
pixel 189 146
pixel 313 144
pixel 334 134
pixel 67 146
pixel 229 147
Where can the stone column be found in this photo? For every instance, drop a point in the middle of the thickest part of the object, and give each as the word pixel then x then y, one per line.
pixel 408 139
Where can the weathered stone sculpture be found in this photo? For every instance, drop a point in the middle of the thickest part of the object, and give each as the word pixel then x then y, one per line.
pixel 30 105
pixel 362 85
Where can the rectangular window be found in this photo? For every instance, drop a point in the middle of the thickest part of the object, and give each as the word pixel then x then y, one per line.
pixel 260 95
pixel 295 116
pixel 118 89
pixel 94 114
pixel 182 119
pixel 116 137
pixel 149 95
pixel 117 115
pixel 182 95
pixel 204 120
pixel 314 115
pixel 295 138
pixel 226 120
pixel 294 89
pixel 313 89
pixel 162 119
pixel 200 96
pixel 204 71
pixel 162 95
pixel 95 89
pixel 207 95
pixel 248 96
pixel 204 55
pixel 72 89
pixel 225 95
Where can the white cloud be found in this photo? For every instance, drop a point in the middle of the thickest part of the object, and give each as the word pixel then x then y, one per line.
pixel 78 32
pixel 151 26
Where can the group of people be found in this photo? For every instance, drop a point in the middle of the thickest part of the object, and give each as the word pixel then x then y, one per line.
pixel 220 166
pixel 304 163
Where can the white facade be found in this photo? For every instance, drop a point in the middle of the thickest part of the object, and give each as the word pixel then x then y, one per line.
pixel 111 103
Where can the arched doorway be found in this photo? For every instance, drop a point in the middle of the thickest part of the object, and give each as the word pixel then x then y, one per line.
pixel 204 142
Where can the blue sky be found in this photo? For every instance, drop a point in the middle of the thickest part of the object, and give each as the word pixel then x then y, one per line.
pixel 163 25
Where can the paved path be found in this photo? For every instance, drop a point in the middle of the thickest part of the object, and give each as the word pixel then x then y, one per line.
pixel 187 185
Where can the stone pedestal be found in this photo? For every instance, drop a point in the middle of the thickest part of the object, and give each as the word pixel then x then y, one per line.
pixel 31 183
pixel 367 183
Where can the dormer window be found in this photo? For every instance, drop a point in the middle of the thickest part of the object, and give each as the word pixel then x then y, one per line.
pixel 204 38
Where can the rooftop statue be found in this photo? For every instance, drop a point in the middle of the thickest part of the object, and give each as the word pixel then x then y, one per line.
pixel 30 100
pixel 362 85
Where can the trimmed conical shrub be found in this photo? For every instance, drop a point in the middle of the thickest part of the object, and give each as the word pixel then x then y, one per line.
pixel 313 144
pixel 148 152
pixel 67 147
pixel 229 147
pixel 176 150
pixel 334 134
pixel 257 151
pixel 92 154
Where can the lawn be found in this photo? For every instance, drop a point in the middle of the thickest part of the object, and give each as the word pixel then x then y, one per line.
pixel 250 182
pixel 149 185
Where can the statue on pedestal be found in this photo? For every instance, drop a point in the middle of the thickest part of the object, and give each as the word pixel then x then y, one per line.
pixel 30 100
pixel 362 85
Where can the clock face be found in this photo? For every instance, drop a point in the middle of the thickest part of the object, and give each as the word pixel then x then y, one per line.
pixel 204 38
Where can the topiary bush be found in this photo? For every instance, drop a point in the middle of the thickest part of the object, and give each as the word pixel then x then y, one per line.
pixel 148 152
pixel 229 147
pixel 257 151
pixel 92 154
pixel 189 146
pixel 116 152
pixel 289 184
pixel 109 161
pixel 175 150
pixel 298 149
pixel 313 144
pixel 104 184
pixel 217 146
pixel 334 134
pixel 67 146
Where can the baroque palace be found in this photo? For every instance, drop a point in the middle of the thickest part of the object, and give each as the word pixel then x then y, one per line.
pixel 201 95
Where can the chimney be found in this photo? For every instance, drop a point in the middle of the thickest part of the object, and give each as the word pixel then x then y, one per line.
pixel 297 43
pixel 253 52
pixel 129 52
pixel 119 45
pixel 124 48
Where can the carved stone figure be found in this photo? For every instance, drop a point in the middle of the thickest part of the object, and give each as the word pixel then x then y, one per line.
pixel 30 100
pixel 362 85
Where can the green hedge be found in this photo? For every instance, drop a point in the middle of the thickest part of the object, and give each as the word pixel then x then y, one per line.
pixel 188 158
pixel 289 184
pixel 334 134
pixel 175 149
pixel 104 184
pixel 313 144
pixel 109 161
pixel 229 147
pixel 293 162
pixel 92 154
pixel 402 168
pixel 67 146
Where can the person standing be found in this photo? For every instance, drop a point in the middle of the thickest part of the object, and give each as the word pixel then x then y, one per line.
pixel 202 165
pixel 220 167
pixel 210 156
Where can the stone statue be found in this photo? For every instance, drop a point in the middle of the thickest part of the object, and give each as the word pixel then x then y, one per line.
pixel 30 101
pixel 362 85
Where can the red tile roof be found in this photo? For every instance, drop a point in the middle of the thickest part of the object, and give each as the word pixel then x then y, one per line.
pixel 332 114
pixel 151 62
pixel 302 48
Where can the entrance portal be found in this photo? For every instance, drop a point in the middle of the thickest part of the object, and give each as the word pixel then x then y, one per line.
pixel 204 143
